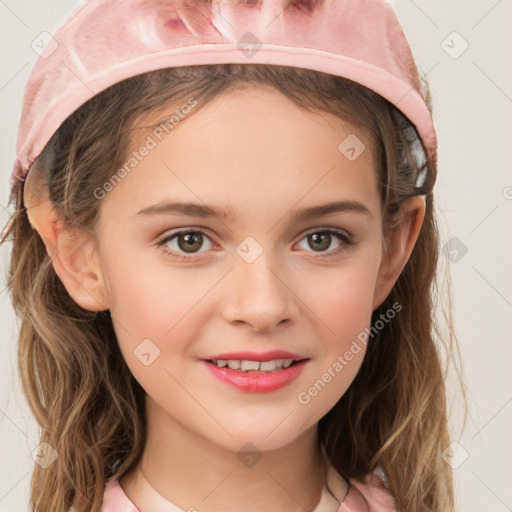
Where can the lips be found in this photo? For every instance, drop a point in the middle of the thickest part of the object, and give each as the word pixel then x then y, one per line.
pixel 256 381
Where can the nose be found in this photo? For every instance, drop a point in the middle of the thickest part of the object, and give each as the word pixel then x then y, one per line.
pixel 258 295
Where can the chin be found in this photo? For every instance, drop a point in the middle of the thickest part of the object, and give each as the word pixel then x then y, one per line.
pixel 262 436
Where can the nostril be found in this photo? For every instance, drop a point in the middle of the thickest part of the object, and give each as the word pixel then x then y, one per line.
pixel 306 6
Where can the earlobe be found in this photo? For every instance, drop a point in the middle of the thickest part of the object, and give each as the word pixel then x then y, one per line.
pixel 400 242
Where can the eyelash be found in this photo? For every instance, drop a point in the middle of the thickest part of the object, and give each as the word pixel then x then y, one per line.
pixel 346 244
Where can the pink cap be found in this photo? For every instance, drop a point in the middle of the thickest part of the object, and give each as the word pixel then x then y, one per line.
pixel 106 41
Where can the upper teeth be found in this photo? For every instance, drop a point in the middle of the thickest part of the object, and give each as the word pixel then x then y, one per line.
pixel 263 366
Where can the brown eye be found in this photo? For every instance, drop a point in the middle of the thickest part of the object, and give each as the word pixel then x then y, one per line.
pixel 321 240
pixel 190 242
pixel 185 243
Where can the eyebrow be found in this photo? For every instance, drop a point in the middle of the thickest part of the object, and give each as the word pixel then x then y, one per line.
pixel 204 210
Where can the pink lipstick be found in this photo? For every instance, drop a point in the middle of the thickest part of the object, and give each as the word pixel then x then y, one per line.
pixel 256 372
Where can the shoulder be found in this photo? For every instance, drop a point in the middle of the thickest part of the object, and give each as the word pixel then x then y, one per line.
pixel 115 500
pixel 368 495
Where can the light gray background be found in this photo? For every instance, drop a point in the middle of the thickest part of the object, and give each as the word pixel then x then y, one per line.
pixel 472 95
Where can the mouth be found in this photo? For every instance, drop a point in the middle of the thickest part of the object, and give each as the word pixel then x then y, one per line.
pixel 256 376
pixel 249 366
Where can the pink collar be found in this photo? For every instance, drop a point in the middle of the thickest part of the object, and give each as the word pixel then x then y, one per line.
pixel 369 496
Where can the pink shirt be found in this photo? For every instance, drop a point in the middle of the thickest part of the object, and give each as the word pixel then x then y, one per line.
pixel 370 496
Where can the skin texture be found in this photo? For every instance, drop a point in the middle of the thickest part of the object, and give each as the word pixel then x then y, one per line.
pixel 257 153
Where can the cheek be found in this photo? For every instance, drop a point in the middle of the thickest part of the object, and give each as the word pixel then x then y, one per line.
pixel 341 303
pixel 153 312
pixel 343 297
pixel 157 310
pixel 148 298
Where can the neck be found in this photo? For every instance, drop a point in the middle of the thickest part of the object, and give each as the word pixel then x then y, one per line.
pixel 191 471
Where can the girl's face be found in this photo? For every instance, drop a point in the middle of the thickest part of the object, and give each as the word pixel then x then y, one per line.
pixel 268 276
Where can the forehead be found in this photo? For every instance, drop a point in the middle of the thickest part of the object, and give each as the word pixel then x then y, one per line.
pixel 250 147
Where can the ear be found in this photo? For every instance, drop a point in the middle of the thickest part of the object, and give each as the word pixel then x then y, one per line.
pixel 400 243
pixel 77 264
pixel 74 256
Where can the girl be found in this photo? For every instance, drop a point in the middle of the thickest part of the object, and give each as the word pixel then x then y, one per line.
pixel 224 259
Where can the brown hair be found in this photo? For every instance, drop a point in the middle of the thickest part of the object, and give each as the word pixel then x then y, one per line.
pixel 89 406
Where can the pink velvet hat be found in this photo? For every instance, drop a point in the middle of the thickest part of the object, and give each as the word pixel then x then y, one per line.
pixel 105 41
